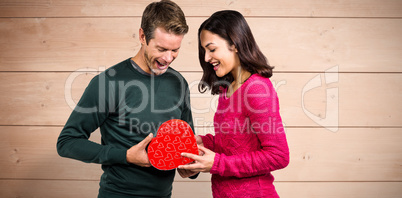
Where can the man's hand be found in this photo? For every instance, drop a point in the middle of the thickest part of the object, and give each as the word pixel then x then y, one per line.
pixel 186 173
pixel 138 155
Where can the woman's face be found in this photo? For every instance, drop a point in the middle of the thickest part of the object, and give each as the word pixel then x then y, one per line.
pixel 222 57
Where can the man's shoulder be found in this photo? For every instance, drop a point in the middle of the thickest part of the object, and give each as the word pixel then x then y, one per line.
pixel 119 70
pixel 171 70
pixel 174 73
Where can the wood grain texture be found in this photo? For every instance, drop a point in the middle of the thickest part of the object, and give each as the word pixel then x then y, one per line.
pixel 339 189
pixel 316 155
pixel 306 99
pixel 290 44
pixel 73 189
pixel 277 8
pixel 338 63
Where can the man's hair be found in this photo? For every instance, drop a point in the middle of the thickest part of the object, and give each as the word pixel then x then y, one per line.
pixel 165 14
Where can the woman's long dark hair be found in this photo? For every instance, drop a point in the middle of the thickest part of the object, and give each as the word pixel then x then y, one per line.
pixel 231 26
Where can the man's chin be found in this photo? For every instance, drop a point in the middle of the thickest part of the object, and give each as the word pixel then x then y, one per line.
pixel 159 72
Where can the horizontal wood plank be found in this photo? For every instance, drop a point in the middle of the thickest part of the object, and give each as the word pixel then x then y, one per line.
pixel 48 188
pixel 338 68
pixel 277 8
pixel 290 44
pixel 72 189
pixel 306 99
pixel 339 189
pixel 331 99
pixel 316 155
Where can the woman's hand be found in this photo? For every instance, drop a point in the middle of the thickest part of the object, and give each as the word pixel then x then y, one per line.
pixel 198 139
pixel 202 163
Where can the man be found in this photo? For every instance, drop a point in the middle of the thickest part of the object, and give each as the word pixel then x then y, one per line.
pixel 128 102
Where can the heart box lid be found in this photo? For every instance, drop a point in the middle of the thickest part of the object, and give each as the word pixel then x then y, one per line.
pixel 173 138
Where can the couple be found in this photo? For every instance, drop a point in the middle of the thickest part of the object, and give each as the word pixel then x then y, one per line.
pixel 249 141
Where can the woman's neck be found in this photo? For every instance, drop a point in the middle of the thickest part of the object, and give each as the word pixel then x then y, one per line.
pixel 240 75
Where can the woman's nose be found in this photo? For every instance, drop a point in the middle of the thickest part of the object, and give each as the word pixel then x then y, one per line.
pixel 207 57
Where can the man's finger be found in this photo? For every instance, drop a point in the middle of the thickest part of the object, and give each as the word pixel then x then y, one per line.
pixel 186 173
pixel 147 140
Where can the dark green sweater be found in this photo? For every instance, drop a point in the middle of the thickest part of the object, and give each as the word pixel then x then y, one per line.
pixel 126 105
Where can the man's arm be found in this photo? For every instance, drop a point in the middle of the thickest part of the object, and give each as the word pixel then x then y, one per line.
pixel 87 116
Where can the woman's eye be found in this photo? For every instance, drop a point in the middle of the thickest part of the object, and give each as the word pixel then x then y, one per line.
pixel 213 50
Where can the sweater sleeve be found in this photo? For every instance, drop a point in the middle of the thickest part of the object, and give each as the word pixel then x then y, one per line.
pixel 208 141
pixel 262 108
pixel 186 114
pixel 90 112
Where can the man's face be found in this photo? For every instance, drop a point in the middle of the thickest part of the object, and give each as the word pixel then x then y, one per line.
pixel 161 51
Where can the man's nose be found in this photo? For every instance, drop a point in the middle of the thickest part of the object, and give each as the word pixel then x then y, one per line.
pixel 168 56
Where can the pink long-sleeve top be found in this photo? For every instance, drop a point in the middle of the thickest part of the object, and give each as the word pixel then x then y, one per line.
pixel 249 141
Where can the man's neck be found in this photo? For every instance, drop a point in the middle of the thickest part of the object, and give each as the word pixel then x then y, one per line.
pixel 139 59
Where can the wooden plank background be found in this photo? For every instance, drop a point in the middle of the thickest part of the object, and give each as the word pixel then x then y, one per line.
pixel 338 76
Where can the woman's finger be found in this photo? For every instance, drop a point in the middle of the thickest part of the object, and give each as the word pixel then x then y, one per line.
pixel 191 156
pixel 193 167
pixel 203 149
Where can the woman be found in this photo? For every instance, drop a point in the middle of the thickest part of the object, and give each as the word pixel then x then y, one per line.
pixel 249 141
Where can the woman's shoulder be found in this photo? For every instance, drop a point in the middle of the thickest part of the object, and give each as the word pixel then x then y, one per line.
pixel 258 83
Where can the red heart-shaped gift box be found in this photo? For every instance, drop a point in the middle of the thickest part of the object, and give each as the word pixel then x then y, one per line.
pixel 173 138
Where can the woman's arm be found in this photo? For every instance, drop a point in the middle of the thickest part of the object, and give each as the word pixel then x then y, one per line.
pixel 262 108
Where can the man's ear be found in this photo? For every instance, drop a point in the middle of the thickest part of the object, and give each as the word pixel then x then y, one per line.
pixel 141 36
